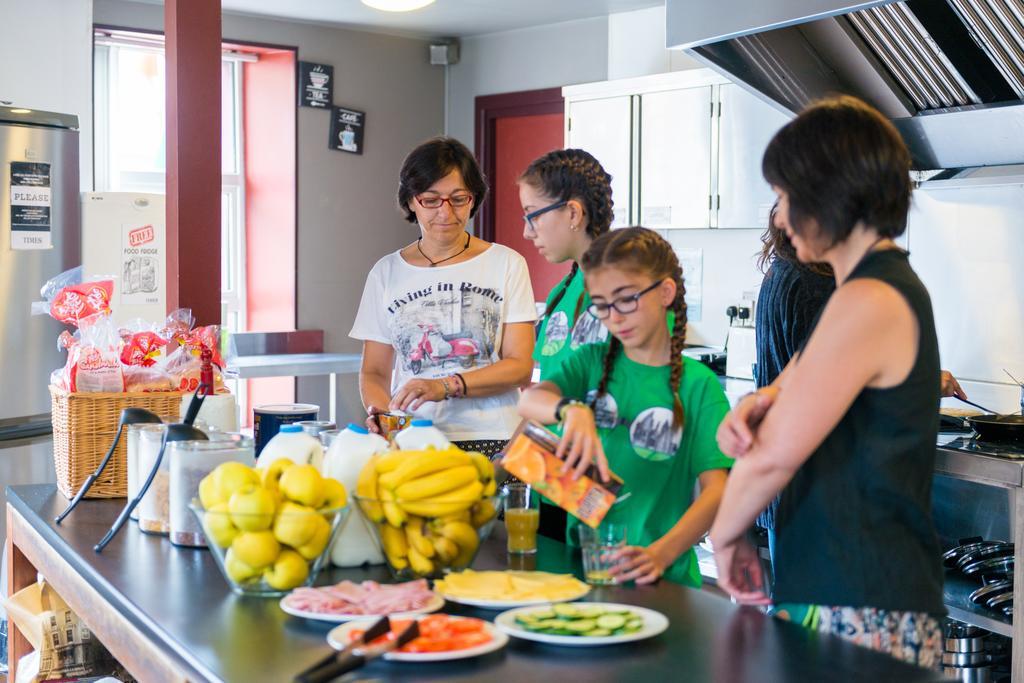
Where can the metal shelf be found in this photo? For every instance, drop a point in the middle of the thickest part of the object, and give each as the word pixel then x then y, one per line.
pixel 956 594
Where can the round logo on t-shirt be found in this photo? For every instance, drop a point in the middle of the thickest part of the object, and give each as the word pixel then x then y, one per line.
pixel 652 435
pixel 556 332
pixel 588 330
pixel 606 410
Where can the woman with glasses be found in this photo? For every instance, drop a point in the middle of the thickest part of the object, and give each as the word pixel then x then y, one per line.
pixel 447 322
pixel 566 197
pixel 640 409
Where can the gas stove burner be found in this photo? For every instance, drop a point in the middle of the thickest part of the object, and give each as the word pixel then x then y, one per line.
pixel 1008 451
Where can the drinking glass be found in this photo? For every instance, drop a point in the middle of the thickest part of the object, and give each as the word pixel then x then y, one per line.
pixel 522 517
pixel 599 547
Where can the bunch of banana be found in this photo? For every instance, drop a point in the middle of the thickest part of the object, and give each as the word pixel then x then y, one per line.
pixel 428 506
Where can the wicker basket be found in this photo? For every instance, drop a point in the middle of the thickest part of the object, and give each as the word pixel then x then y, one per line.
pixel 84 426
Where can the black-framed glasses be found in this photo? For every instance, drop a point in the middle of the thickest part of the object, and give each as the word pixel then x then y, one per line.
pixel 624 305
pixel 528 218
pixel 434 201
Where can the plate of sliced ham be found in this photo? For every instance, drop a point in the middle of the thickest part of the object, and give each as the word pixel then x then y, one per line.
pixel 347 600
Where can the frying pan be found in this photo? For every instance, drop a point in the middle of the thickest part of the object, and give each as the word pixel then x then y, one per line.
pixel 998 427
pixel 966 545
pixel 993 550
pixel 981 595
pixel 1001 566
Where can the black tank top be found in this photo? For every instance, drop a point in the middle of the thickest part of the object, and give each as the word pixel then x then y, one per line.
pixel 855 524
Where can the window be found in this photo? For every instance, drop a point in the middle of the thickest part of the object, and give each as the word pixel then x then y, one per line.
pixel 130 144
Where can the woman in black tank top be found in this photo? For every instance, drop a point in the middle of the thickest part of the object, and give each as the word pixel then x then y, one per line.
pixel 847 431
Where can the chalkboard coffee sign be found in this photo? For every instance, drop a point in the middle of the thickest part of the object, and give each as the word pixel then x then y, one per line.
pixel 347 127
pixel 316 85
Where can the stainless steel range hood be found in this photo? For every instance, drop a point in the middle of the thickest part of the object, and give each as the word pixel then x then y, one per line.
pixel 949 73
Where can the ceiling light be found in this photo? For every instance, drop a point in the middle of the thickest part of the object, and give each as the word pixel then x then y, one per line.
pixel 21 111
pixel 397 5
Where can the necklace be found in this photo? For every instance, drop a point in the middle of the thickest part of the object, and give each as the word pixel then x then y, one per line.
pixel 434 263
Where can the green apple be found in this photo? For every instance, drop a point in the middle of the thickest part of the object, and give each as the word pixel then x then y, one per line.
pixel 252 509
pixel 295 524
pixel 258 549
pixel 288 571
pixel 303 484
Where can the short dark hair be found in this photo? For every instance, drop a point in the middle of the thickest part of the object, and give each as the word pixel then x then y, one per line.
pixel 433 160
pixel 840 162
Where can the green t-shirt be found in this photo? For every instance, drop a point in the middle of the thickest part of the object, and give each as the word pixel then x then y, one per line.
pixel 659 466
pixel 559 336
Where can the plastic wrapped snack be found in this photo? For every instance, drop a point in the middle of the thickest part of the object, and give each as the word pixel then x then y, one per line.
pixel 93 359
pixel 184 363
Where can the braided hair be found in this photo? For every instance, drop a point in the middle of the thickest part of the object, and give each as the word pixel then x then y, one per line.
pixel 566 174
pixel 644 251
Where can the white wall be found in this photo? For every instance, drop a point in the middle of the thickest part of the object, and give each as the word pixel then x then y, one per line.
pixel 347 217
pixel 525 59
pixel 636 45
pixel 967 246
pixel 46 53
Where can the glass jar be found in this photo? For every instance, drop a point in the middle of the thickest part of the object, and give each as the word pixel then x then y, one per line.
pixel 132 461
pixel 154 508
pixel 190 461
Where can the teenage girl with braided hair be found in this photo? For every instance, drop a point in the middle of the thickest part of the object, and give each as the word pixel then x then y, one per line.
pixel 567 202
pixel 640 409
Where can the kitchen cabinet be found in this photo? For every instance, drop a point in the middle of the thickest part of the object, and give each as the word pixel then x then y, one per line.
pixel 604 128
pixel 745 127
pixel 689 150
pixel 675 158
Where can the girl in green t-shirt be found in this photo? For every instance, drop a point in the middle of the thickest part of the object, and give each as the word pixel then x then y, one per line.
pixel 567 202
pixel 640 409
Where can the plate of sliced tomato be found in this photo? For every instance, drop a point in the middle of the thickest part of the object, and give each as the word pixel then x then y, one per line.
pixel 442 637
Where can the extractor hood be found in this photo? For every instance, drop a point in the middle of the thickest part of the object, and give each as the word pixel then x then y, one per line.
pixel 949 73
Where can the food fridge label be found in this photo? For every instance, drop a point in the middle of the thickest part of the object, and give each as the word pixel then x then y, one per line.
pixel 30 205
pixel 142 257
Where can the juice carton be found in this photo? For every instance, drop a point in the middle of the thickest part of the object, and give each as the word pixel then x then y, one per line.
pixel 530 456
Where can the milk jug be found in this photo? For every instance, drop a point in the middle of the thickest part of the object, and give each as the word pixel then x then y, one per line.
pixel 350 450
pixel 420 434
pixel 296 445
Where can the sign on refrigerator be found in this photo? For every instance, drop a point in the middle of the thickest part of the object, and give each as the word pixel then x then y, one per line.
pixel 30 205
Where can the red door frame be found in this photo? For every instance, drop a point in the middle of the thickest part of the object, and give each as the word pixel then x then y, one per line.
pixel 489 108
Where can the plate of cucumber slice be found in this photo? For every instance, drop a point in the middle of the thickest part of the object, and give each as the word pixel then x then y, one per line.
pixel 582 624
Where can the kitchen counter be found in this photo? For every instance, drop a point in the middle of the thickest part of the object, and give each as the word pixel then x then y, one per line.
pixel 167 615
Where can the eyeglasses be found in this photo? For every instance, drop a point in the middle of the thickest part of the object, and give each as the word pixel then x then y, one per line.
pixel 624 305
pixel 456 201
pixel 528 218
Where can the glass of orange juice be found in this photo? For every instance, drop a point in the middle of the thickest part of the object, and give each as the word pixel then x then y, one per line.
pixel 522 517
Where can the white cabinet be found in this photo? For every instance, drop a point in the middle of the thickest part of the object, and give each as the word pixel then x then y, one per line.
pixel 745 127
pixel 675 158
pixel 604 127
pixel 684 148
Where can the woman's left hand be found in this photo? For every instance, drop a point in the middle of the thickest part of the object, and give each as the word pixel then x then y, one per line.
pixel 415 393
pixel 640 564
pixel 739 572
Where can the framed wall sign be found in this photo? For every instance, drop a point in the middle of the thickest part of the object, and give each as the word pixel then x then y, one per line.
pixel 347 129
pixel 316 85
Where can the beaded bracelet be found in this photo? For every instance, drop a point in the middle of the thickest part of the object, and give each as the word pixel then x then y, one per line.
pixel 462 381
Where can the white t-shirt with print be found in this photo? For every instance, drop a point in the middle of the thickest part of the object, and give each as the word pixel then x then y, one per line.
pixel 449 319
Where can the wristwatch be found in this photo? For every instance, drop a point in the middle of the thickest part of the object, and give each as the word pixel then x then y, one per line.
pixel 564 403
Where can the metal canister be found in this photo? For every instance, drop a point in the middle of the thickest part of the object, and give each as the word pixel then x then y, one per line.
pixel 267 420
pixel 190 462
pixel 314 427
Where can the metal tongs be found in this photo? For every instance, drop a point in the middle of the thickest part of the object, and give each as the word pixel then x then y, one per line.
pixel 358 653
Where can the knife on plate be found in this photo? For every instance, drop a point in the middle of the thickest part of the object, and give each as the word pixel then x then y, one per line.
pixel 359 653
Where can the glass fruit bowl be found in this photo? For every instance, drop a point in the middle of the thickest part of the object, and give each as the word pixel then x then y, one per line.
pixel 444 536
pixel 269 554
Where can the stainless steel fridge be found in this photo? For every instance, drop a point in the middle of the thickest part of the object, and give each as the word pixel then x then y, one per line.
pixel 40 237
